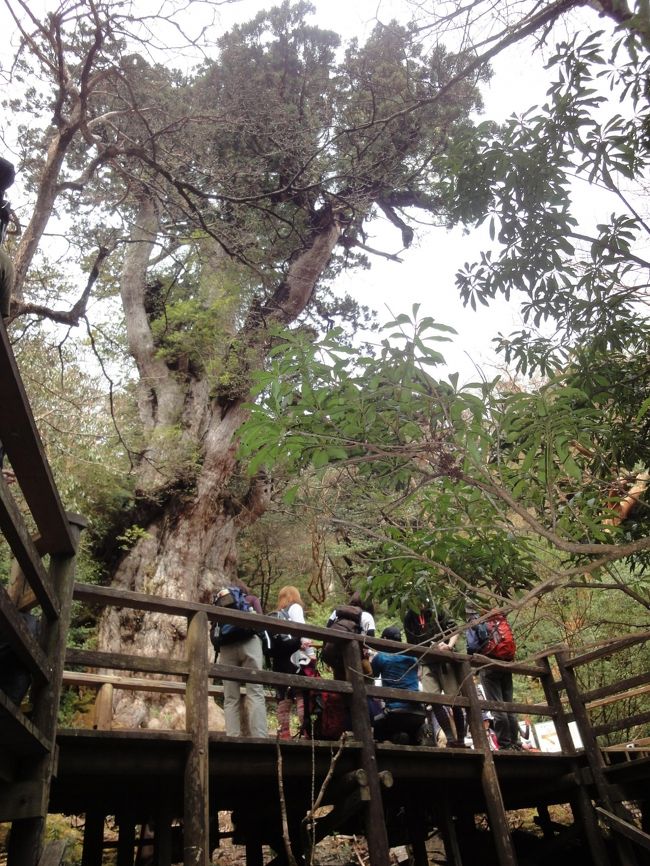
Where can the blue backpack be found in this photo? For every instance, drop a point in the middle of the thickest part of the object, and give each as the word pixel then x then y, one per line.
pixel 223 633
pixel 477 637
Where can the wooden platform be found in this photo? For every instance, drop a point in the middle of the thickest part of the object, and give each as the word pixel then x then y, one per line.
pixel 114 771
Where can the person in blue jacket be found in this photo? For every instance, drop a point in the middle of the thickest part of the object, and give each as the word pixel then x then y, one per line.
pixel 399 721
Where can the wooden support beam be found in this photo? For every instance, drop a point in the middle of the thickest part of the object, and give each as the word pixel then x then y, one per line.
pixel 346 806
pixel 103 720
pixel 630 831
pixel 27 836
pixel 489 779
pixel 93 845
pixel 163 833
pixel 19 735
pixel 20 800
pixel 53 853
pixel 15 632
pixel 23 548
pixel 376 835
pixel 449 835
pixel 196 783
pixel 583 810
pixel 592 751
pixel 125 840
pixel 21 441
pixel 254 854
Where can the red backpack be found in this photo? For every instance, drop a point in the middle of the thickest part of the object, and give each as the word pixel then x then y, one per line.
pixel 332 716
pixel 501 642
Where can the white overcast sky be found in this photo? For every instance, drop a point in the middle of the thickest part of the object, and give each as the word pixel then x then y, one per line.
pixel 426 276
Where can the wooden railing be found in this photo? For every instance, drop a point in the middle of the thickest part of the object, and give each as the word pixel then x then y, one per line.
pixel 27 743
pixel 611 810
pixel 190 676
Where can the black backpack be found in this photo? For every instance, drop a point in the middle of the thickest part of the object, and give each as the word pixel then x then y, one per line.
pixel 281 644
pixel 347 618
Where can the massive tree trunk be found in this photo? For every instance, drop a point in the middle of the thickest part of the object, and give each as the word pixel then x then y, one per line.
pixel 185 546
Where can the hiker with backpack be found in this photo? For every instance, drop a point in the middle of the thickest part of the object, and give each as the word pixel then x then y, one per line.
pixel 493 638
pixel 366 619
pixel 283 649
pixel 401 722
pixel 242 647
pixel 432 626
pixel 355 617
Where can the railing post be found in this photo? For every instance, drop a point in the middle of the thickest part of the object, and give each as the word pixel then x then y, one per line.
pixel 196 782
pixel 583 805
pixel 593 753
pixel 376 834
pixel 27 834
pixel 489 779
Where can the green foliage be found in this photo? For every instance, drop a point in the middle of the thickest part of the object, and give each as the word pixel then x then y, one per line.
pixel 453 490
pixel 519 179
pixel 131 536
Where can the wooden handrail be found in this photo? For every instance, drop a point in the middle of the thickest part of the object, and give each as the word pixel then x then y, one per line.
pixel 111 596
pixel 608 649
pixel 21 441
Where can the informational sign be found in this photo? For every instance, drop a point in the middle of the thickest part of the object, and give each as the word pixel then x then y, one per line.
pixel 547 738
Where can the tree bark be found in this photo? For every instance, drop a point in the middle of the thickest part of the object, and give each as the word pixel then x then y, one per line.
pixel 188 549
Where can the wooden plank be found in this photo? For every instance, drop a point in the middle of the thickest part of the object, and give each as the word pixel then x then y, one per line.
pixel 620 826
pixel 612 699
pixel 46 698
pixel 196 832
pixel 125 840
pixel 458 701
pixel 608 649
pixel 125 662
pixel 8 764
pixel 18 734
pixel 614 688
pixel 621 724
pixel 582 806
pixel 74 678
pixel 20 438
pixel 489 779
pixel 143 664
pixel 592 751
pixel 105 596
pixel 23 548
pixel 21 800
pixel 92 853
pixel 103 720
pixel 53 853
pixel 375 822
pixel 136 684
pixel 15 632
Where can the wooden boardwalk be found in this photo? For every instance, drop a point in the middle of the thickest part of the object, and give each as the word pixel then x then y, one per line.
pixel 391 794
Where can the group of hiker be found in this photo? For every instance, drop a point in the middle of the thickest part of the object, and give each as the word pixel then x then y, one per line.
pixel 324 715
